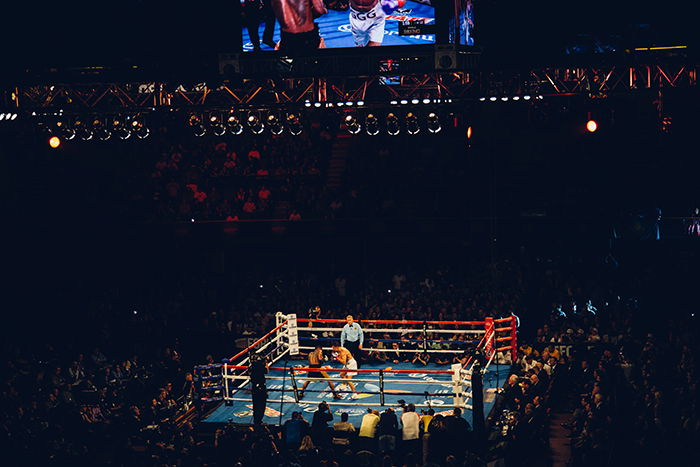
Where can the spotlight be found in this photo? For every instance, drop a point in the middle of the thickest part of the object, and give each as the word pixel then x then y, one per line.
pixel 415 101
pixel 82 131
pixel 504 99
pixel 65 130
pixel 412 125
pixel 317 104
pixel 352 124
pixel 371 125
pixel 142 131
pixel 426 101
pixel 139 128
pixel 120 129
pixel 493 98
pixel 516 98
pixel 360 103
pixel 404 101
pixel 392 125
pixel 198 128
pixel 482 99
pixel 294 124
pixel 591 126
pixel 254 123
pixel 234 124
pixel 100 130
pixel 307 103
pixel 273 122
pixel 526 97
pixel 54 142
pixel 393 102
pixel 217 126
pixel 434 123
pixel 349 103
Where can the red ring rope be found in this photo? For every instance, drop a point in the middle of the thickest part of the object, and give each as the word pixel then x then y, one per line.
pixel 256 342
pixel 345 370
pixel 391 321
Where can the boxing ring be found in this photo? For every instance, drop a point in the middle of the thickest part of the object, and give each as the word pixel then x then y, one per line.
pixel 379 383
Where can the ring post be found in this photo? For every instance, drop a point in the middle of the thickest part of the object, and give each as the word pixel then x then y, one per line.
pixel 293 378
pixel 381 388
pixel 478 403
pixel 513 338
pixel 457 385
pixel 489 336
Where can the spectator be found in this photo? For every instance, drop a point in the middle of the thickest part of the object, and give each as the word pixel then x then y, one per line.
pixel 293 431
pixel 410 431
pixel 343 432
pixel 387 428
pixel 319 425
pixel 367 438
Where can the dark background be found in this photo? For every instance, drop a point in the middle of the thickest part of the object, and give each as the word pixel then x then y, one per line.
pixel 68 231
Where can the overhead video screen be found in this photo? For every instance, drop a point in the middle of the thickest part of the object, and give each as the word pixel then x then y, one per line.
pixel 465 17
pixel 304 25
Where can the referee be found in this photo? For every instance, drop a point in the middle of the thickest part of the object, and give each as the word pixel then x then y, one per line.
pixel 352 338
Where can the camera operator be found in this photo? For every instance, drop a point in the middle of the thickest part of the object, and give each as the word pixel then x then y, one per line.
pixel 320 431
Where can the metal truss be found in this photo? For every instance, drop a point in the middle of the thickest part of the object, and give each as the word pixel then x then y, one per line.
pixel 439 87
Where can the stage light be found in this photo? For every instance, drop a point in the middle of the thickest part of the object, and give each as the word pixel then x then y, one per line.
pixel 394 102
pixel 317 104
pixel 349 103
pixel 100 130
pixel 469 132
pixel 198 128
pixel 120 129
pixel 392 124
pixel 526 97
pixel 415 101
pixel 82 131
pixel 217 126
pixel 516 98
pixel 234 124
pixel 142 131
pixel 360 103
pixel 54 142
pixel 371 125
pixel 274 124
pixel 139 128
pixel 412 125
pixel 434 123
pixel 339 104
pixel 352 124
pixel 591 126
pixel 307 104
pixel 294 124
pixel 404 101
pixel 65 130
pixel 493 98
pixel 254 123
pixel 482 99
pixel 504 98
pixel 426 101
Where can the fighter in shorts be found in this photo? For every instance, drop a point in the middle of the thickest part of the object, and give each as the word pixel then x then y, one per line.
pixel 344 356
pixel 367 19
pixel 316 358
pixel 299 33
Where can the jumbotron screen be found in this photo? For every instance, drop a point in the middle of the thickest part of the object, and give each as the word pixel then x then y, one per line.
pixel 305 25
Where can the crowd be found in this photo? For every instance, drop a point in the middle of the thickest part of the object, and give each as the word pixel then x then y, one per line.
pixel 122 393
pixel 272 177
